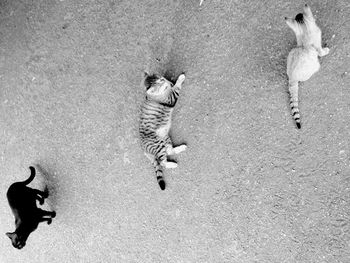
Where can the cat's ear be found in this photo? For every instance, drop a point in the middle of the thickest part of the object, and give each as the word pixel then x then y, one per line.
pixel 150 90
pixel 10 235
pixel 145 74
pixel 307 11
pixel 291 23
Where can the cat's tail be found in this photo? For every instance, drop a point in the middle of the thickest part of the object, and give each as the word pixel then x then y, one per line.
pixel 159 174
pixel 31 177
pixel 294 105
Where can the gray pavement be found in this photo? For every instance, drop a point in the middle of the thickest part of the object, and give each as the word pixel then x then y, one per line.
pixel 249 188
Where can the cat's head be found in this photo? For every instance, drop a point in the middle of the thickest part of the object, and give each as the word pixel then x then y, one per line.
pixel 302 22
pixel 18 241
pixel 157 87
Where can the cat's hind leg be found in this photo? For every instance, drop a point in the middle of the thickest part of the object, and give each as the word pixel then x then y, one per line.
pixel 50 214
pixel 175 150
pixel 180 148
pixel 162 157
pixel 171 150
pixel 168 164
pixel 47 219
pixel 40 195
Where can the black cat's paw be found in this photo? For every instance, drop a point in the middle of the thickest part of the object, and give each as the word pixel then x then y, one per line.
pixel 46 193
pixel 41 201
pixel 53 214
pixel 49 221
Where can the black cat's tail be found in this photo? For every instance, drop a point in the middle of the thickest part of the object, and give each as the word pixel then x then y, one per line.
pixel 31 177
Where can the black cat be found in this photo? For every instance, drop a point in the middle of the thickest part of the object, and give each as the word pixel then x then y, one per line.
pixel 22 200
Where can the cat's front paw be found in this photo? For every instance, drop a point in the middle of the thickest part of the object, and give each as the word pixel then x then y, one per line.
pixel 49 221
pixel 325 51
pixel 41 201
pixel 53 214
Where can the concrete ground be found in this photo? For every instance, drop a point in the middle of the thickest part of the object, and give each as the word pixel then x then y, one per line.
pixel 250 187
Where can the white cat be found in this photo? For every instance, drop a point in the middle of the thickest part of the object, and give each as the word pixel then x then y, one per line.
pixel 302 60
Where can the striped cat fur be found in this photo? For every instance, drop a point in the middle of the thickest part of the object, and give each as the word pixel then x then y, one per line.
pixel 155 122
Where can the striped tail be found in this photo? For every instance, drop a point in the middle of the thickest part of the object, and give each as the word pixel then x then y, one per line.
pixel 159 174
pixel 31 177
pixel 294 105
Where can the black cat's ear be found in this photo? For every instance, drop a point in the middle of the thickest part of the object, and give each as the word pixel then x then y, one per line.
pixel 10 235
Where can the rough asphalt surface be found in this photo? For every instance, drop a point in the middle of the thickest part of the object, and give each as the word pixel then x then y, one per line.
pixel 249 188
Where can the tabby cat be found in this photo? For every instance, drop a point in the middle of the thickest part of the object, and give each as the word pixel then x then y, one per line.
pixel 302 60
pixel 155 122
pixel 22 200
